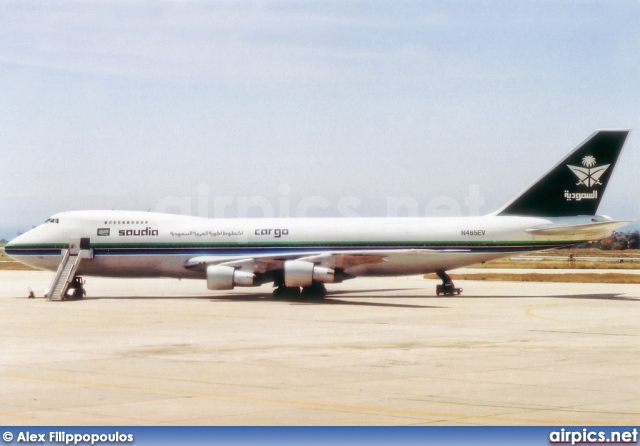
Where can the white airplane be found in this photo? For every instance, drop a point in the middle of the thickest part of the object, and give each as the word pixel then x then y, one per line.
pixel 557 210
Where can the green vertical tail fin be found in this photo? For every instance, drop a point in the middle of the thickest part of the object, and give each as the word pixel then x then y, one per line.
pixel 576 184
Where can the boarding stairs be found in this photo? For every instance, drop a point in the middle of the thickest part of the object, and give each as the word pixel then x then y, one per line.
pixel 71 259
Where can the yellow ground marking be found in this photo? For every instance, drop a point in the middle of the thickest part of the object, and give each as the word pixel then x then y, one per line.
pixel 440 416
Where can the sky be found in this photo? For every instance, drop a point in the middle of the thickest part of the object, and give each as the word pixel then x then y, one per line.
pixel 309 108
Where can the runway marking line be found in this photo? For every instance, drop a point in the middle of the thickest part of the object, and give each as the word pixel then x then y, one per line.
pixel 529 312
pixel 15 415
pixel 322 406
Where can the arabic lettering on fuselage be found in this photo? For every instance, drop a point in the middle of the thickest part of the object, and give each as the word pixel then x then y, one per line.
pixel 207 234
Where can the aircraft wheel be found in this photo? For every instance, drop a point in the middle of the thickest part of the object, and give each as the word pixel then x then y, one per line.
pixel 286 291
pixel 314 291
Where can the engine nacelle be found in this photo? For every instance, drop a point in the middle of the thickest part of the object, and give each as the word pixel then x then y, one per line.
pixel 301 273
pixel 222 277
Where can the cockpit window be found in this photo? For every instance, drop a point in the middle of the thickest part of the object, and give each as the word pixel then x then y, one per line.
pixel 52 220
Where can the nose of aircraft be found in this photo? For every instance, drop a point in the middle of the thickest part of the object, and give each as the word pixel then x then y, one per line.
pixel 22 239
pixel 12 243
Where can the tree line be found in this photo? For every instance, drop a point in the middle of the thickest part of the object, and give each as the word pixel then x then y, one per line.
pixel 619 241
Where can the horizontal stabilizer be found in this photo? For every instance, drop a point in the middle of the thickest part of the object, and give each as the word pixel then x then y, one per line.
pixel 602 229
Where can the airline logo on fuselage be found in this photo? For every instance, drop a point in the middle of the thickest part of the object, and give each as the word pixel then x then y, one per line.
pixel 276 233
pixel 589 176
pixel 146 232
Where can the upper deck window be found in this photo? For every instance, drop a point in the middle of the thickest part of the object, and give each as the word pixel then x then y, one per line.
pixel 125 222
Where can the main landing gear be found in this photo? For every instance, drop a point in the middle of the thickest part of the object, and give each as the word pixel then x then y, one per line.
pixel 447 287
pixel 313 291
pixel 286 291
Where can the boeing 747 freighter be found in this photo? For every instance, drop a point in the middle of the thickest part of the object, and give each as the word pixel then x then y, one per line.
pixel 302 255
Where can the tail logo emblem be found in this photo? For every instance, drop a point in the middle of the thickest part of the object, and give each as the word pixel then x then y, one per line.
pixel 590 174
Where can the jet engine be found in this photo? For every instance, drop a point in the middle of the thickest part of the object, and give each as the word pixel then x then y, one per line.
pixel 222 277
pixel 301 273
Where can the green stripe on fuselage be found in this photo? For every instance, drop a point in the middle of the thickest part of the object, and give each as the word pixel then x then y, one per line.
pixel 284 244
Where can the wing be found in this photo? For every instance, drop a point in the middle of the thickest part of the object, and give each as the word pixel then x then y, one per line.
pixel 271 262
pixel 339 260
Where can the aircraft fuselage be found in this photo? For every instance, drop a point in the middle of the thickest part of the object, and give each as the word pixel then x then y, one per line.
pixel 145 244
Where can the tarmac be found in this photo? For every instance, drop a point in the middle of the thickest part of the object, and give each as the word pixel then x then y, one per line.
pixel 383 351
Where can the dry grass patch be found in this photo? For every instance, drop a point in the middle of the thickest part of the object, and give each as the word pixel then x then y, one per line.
pixel 542 277
pixel 508 263
pixel 584 259
pixel 14 266
pixel 8 264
